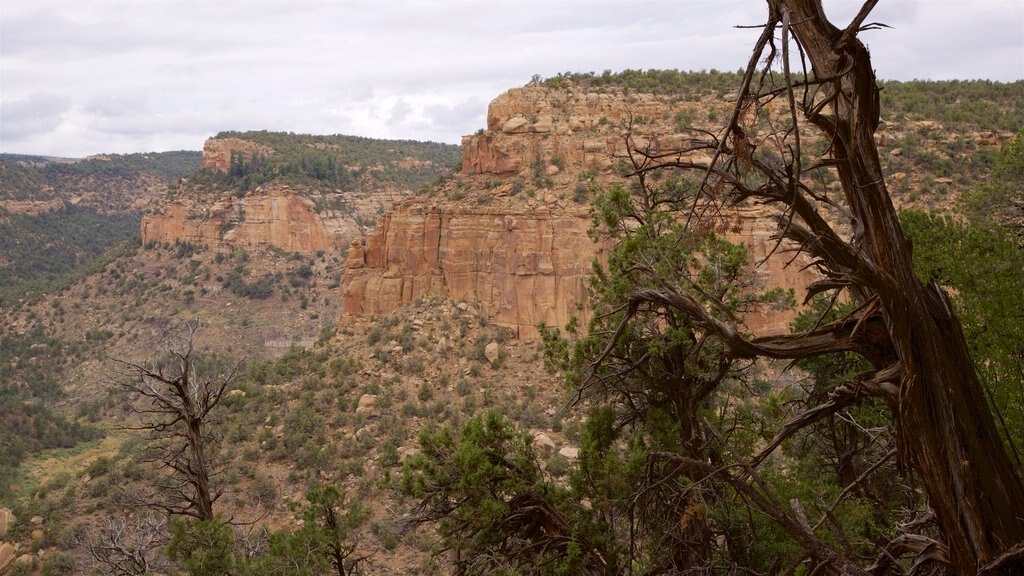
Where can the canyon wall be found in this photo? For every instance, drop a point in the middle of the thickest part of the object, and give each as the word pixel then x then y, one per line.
pixel 292 218
pixel 218 152
pixel 270 216
pixel 569 129
pixel 509 233
pixel 520 268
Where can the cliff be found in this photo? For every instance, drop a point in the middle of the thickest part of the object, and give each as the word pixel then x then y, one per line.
pixel 567 129
pixel 509 233
pixel 270 216
pixel 298 193
pixel 521 267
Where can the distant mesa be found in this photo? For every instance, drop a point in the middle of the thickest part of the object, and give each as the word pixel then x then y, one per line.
pixel 297 193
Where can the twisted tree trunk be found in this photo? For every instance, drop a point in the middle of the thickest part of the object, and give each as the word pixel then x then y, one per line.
pixel 945 429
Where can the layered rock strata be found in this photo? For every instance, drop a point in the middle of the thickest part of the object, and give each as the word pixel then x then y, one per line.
pixel 219 152
pixel 521 268
pixel 571 129
pixel 272 216
pixel 508 236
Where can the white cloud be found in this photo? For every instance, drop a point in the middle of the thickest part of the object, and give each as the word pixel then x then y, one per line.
pixel 80 77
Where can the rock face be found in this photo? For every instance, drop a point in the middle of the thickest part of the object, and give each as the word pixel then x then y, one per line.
pixel 521 257
pixel 7 520
pixel 7 553
pixel 567 129
pixel 276 215
pixel 218 152
pixel 522 267
pixel 299 193
pixel 272 216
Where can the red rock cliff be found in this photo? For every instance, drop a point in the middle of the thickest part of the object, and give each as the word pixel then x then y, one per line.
pixel 294 219
pixel 509 236
pixel 273 216
pixel 520 267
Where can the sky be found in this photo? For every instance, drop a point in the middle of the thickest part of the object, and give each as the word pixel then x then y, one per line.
pixel 82 77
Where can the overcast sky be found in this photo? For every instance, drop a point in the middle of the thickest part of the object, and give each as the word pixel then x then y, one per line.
pixel 80 77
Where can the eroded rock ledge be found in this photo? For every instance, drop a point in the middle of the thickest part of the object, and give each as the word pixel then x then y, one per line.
pixel 521 267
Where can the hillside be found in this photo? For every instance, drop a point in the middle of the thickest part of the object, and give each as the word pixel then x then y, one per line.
pixel 298 193
pixel 368 295
pixel 107 183
pixel 58 215
pixel 510 230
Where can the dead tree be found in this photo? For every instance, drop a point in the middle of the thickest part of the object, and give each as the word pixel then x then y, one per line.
pixel 822 78
pixel 176 406
pixel 127 546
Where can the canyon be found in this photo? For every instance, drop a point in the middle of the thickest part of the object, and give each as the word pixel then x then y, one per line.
pixel 508 232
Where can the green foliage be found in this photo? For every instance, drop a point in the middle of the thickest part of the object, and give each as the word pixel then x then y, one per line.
pixel 259 289
pixel 485 489
pixel 324 540
pixel 1001 200
pixel 959 104
pixel 39 178
pixel 686 85
pixel 28 389
pixel 984 267
pixel 202 548
pixel 334 162
pixel 42 250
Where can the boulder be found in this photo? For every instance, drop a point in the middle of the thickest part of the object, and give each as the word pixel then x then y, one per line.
pixel 544 444
pixel 7 520
pixel 492 352
pixel 514 125
pixel 6 556
pixel 367 404
pixel 569 452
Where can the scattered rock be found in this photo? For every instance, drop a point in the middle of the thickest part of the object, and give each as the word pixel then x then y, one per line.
pixel 492 352
pixel 543 443
pixel 36 521
pixel 407 452
pixel 569 452
pixel 7 520
pixel 6 556
pixel 367 404
pixel 515 124
pixel 236 394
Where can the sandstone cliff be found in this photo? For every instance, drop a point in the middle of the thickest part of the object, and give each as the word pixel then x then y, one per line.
pixel 271 216
pixel 570 129
pixel 522 267
pixel 298 193
pixel 510 232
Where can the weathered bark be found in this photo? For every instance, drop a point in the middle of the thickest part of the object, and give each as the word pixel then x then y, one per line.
pixel 175 408
pixel 945 429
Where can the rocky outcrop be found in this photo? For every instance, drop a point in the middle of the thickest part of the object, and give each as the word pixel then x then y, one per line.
pixel 569 129
pixel 218 152
pixel 521 267
pixel 524 258
pixel 272 216
pixel 316 193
